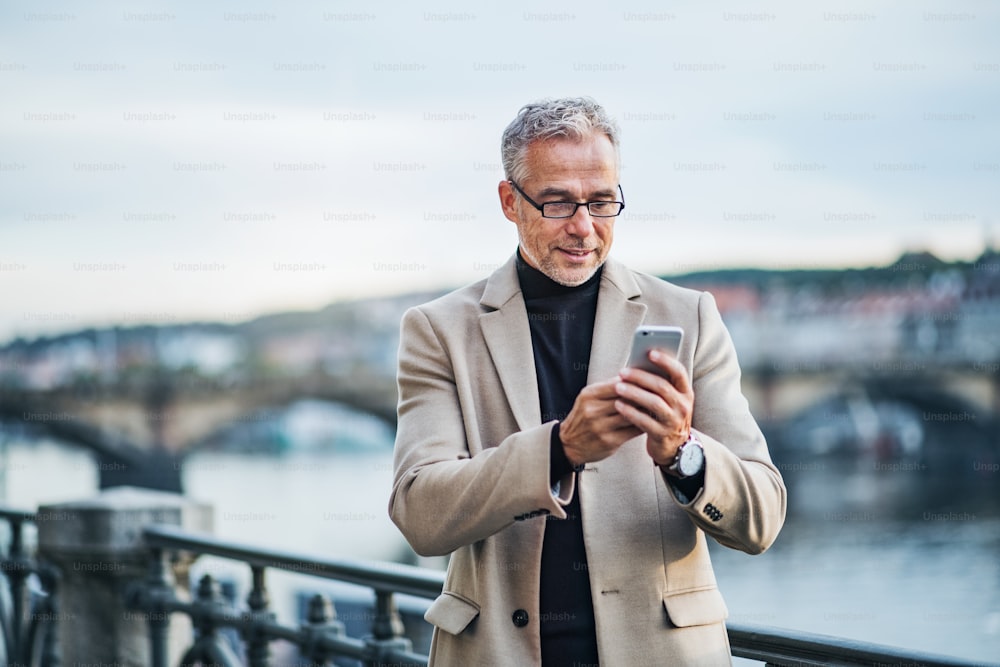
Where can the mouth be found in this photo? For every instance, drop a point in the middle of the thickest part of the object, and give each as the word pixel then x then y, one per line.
pixel 576 255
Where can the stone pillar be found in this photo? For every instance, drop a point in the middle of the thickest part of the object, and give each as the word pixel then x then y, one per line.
pixel 97 546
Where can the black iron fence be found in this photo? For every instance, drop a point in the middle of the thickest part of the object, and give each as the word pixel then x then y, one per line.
pixel 29 613
pixel 320 638
pixel 29 607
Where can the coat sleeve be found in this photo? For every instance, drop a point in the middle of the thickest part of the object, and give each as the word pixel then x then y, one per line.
pixel 443 497
pixel 742 502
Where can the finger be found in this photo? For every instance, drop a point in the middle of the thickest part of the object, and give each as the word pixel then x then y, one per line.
pixel 600 390
pixel 597 412
pixel 623 432
pixel 669 406
pixel 646 421
pixel 652 401
pixel 613 422
pixel 676 372
pixel 654 385
pixel 595 420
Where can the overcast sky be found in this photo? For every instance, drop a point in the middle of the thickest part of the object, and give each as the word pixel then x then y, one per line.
pixel 182 160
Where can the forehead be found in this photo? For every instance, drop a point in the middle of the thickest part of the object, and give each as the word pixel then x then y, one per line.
pixel 591 158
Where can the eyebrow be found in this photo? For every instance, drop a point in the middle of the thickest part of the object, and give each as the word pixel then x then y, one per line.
pixel 568 196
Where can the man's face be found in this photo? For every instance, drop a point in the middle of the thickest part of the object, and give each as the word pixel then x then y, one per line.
pixel 567 250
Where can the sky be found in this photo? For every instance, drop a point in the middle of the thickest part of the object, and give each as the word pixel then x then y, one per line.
pixel 174 161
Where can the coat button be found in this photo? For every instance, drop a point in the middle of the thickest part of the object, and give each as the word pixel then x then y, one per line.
pixel 520 618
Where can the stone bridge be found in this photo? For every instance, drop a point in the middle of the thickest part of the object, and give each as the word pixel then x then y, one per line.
pixel 142 434
pixel 945 368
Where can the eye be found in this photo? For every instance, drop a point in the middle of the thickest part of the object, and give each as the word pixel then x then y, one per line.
pixel 560 208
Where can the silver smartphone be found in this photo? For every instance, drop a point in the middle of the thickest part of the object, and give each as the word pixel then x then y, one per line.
pixel 646 338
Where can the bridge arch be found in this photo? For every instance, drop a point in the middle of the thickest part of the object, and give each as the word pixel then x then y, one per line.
pixel 891 419
pixel 356 428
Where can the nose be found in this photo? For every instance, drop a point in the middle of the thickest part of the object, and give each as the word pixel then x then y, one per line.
pixel 580 223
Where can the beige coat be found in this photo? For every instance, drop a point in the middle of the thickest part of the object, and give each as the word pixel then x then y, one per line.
pixel 472 479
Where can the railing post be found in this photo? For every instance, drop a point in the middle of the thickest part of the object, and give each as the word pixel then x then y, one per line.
pixel 210 648
pixel 321 621
pixel 258 646
pixel 98 548
pixel 50 654
pixel 18 571
pixel 387 629
pixel 156 589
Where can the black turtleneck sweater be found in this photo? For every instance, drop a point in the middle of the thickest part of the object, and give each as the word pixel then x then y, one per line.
pixel 562 328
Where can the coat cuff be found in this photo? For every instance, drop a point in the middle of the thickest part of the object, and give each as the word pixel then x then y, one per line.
pixel 559 465
pixel 560 469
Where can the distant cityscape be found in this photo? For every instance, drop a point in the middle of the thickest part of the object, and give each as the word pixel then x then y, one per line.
pixel 806 311
pixel 883 366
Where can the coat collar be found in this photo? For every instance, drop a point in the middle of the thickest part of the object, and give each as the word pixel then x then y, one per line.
pixel 508 337
pixel 502 285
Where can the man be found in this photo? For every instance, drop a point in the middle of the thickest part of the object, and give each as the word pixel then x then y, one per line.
pixel 547 470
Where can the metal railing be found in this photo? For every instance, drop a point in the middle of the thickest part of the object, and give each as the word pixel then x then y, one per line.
pixel 321 637
pixel 29 612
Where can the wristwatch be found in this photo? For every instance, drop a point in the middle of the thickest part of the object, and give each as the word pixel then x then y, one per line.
pixel 690 459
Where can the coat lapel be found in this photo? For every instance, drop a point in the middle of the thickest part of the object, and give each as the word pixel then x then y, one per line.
pixel 508 338
pixel 618 314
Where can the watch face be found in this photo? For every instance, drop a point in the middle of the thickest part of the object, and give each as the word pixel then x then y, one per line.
pixel 691 459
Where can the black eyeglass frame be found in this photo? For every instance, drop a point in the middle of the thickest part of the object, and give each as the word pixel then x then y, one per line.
pixel 577 205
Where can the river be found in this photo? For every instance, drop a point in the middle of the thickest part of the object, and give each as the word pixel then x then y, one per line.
pixel 847 563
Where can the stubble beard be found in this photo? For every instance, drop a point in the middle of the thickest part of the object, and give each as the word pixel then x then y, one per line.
pixel 550 267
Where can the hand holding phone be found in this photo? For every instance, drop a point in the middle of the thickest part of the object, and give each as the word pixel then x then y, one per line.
pixel 649 337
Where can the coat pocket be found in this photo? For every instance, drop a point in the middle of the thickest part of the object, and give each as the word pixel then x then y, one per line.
pixel 451 612
pixel 695 607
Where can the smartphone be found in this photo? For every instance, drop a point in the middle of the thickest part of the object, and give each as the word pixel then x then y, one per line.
pixel 646 338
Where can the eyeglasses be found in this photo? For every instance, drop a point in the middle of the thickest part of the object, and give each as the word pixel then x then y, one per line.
pixel 567 209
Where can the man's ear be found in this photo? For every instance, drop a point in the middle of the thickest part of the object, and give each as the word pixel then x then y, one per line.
pixel 508 201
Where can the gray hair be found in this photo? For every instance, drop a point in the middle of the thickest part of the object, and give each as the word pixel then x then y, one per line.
pixel 571 117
